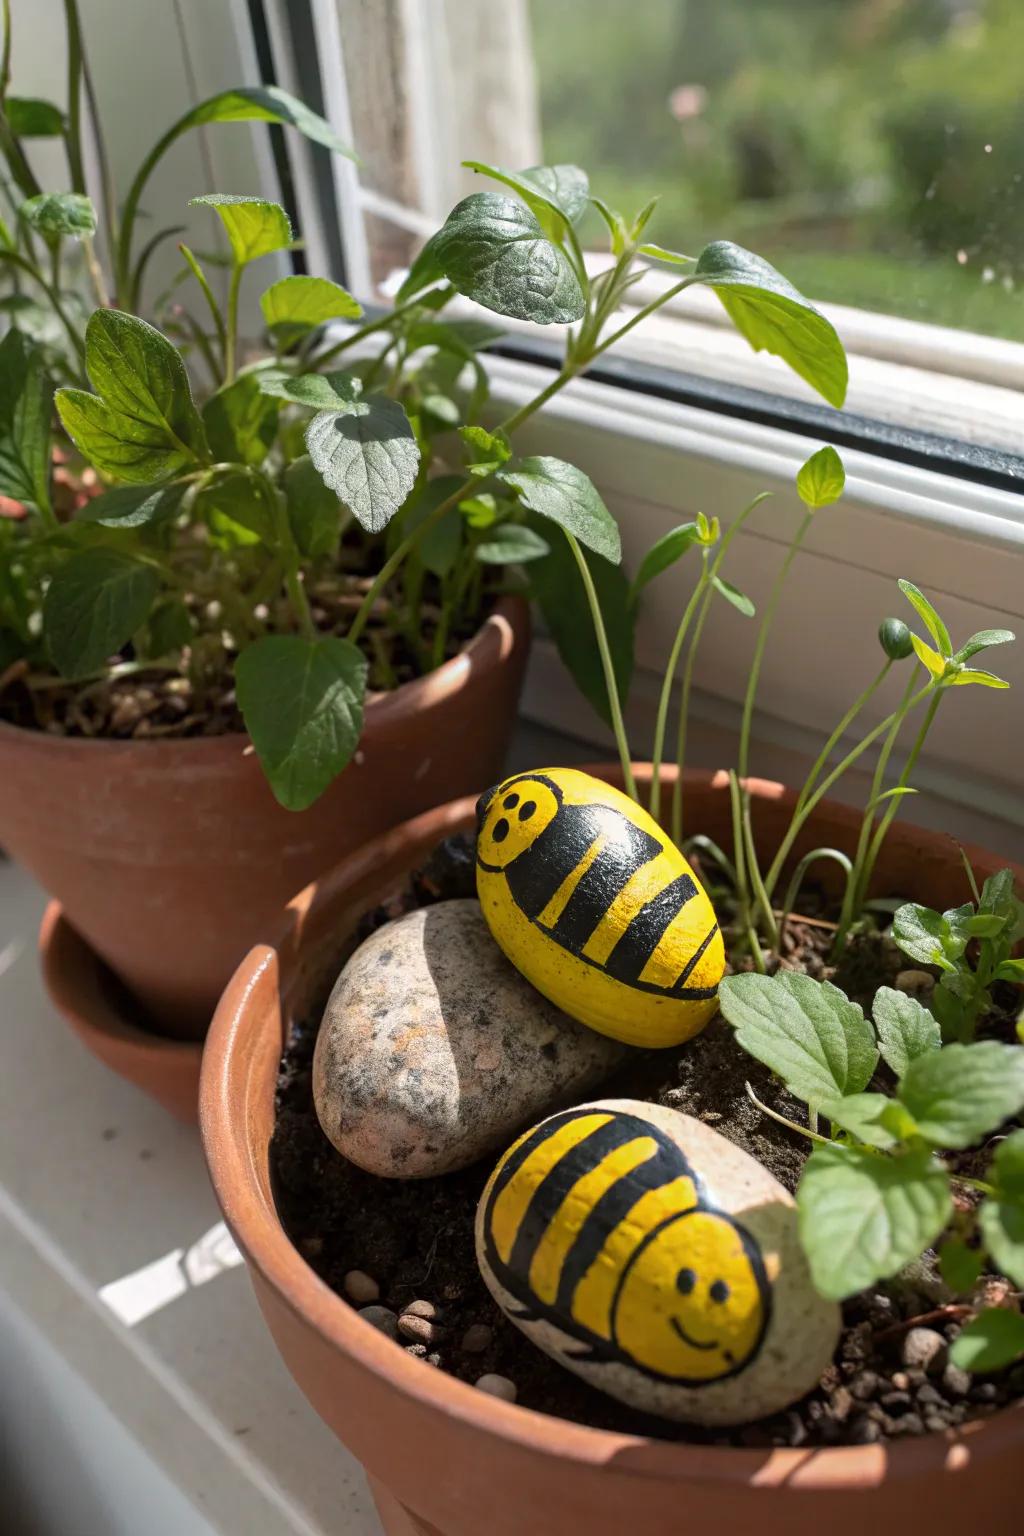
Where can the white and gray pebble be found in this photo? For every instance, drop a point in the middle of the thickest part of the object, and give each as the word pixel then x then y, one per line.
pixel 434 1050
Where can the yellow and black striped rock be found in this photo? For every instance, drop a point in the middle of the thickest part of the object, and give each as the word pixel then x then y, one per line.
pixel 593 903
pixel 656 1260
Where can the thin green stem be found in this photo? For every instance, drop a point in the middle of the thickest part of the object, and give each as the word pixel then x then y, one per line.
pixel 5 58
pixel 608 666
pixel 710 848
pixel 754 871
pixel 840 730
pixel 773 1114
pixel 739 852
pixel 642 314
pixel 231 327
pixel 300 603
pixel 381 323
pixel 892 809
pixel 560 380
pixel 797 880
pixel 658 748
pixel 24 265
pixel 73 136
pixel 774 598
pixel 208 295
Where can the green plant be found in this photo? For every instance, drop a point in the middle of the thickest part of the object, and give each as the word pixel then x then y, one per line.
pixel 277 532
pixel 972 945
pixel 877 1190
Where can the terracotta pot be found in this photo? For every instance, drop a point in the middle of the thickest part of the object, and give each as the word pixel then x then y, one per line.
pixel 170 858
pixel 446 1460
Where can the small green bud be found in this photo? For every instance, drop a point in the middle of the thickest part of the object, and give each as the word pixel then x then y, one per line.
pixel 895 639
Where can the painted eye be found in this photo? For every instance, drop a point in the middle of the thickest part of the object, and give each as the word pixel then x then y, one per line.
pixel 501 830
pixel 685 1281
pixel 718 1291
pixel 510 802
pixel 527 810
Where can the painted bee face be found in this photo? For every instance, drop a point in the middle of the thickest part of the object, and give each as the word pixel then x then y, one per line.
pixel 694 1301
pixel 511 816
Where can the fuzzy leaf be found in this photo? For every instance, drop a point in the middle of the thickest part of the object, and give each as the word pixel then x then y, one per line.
pixel 989 1341
pixel 93 606
pixel 139 375
pixel 60 213
pixel 960 1093
pixel 564 494
pixel 863 1114
pixel 559 190
pixel 927 936
pixel 982 641
pixel 906 1030
pixel 367 453
pixel 864 1216
pixel 928 616
pixel 302 702
pixel 806 1031
pixel 318 391
pixel 299 304
pixel 254 226
pixel 493 250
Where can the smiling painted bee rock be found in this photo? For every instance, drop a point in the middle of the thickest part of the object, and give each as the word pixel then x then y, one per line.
pixel 598 909
pixel 657 1261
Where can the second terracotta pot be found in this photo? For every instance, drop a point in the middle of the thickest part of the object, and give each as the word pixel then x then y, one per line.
pixel 170 858
pixel 447 1460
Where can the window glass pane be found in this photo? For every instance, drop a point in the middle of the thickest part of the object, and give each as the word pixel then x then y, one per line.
pixel 872 149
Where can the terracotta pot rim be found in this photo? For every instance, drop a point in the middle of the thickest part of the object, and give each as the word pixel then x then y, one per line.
pixel 506 615
pixel 261 1236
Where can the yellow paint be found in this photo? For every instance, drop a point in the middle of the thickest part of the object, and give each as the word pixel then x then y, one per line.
pixel 511 1204
pixel 579 983
pixel 595 1295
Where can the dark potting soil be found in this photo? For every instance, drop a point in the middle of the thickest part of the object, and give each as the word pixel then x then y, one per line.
pixel 890 1376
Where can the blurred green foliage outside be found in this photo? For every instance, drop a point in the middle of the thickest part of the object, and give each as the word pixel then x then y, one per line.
pixel 873 149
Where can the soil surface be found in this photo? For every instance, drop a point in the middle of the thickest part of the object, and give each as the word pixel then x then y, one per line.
pixel 414 1240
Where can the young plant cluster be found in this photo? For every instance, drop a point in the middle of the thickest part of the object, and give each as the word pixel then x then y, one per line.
pixel 879 1186
pixel 283 526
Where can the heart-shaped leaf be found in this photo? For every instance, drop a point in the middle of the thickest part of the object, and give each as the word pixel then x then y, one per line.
pixel 864 1216
pixel 770 313
pixel 368 455
pixel 319 391
pixel 93 606
pixel 822 479
pixel 302 702
pixel 60 213
pixel 559 190
pixel 564 494
pixel 254 226
pixel 493 250
pixel 299 304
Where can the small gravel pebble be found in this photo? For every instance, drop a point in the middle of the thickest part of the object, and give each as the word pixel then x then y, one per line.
pixel 984 1392
pixel 928 1397
pixel 864 1385
pixel 925 1349
pixel 915 983
pixel 361 1288
pixel 420 1329
pixel 381 1318
pixel 421 1309
pixel 498 1386
pixel 419 1350
pixel 956 1382
pixel 477 1338
pixel 900 1380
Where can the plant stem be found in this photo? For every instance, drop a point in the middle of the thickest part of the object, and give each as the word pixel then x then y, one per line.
pixel 568 372
pixel 608 666
pixel 300 602
pixel 73 137
pixel 773 1114
pixel 208 295
pixel 380 324
pixel 793 888
pixel 231 328
pixel 24 265
pixel 893 807
pixel 843 726
pixel 398 557
pixel 762 640
pixel 658 748
pixel 740 857
pixel 5 60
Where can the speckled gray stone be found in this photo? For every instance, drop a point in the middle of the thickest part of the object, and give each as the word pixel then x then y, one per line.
pixel 434 1050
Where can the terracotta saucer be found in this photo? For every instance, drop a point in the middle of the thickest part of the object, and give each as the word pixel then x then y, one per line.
pixel 110 1023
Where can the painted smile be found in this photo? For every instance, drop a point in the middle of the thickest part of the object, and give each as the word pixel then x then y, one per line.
pixel 693 1343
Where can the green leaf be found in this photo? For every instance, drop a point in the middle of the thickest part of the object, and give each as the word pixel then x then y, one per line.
pixel 617 226
pixel 564 494
pixel 318 391
pixel 241 421
pixel 512 544
pixel 313 510
pixel 928 658
pixel 139 374
pixel 170 627
pixel 864 1216
pixel 982 641
pixel 555 583
pixel 555 194
pixel 493 250
pixel 927 614
pixel 862 1114
pixel 367 453
pixel 958 1094
pixel 262 103
pixel 425 271
pixel 29 117
pixel 806 1031
pixel 960 1266
pixel 659 253
pixel 299 304
pixel 254 226
pixel 773 317
pixel 25 396
pixel 116 444
pixel 439 549
pixel 977 675
pixel 490 450
pixel 1007 1171
pixel 926 936
pixel 822 480
pixel 733 595
pixel 985 925
pixel 664 553
pixel 302 702
pixel 989 1341
pixel 133 506
pixel 244 499
pixel 997 894
pixel 906 1030
pixel 1011 970
pixel 60 213
pixel 93 606
pixel 1002 1227
pixel 898 792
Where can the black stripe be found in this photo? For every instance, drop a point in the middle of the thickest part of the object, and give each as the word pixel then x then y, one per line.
pixel 515 1160
pixel 536 874
pixel 637 942
pixel 557 1182
pixel 627 849
pixel 618 1200
pixel 679 986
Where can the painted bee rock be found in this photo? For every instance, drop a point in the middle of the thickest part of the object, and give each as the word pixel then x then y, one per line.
pixel 592 902
pixel 656 1260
